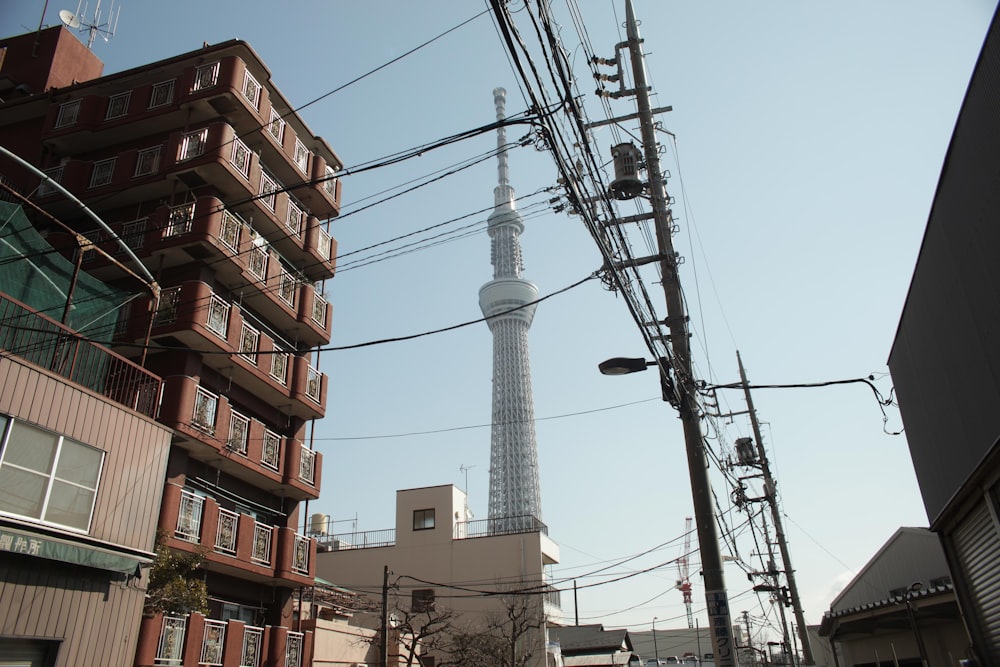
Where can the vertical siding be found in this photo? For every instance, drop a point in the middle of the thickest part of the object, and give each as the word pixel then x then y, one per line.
pixel 128 497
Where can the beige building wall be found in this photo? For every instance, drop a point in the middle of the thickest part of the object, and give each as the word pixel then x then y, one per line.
pixel 446 560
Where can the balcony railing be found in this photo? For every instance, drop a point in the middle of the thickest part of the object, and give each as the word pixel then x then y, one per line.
pixel 370 539
pixel 293 649
pixel 189 517
pixel 46 343
pixel 300 560
pixel 314 384
pixel 170 648
pixel 212 643
pixel 307 465
pixel 253 642
pixel 504 525
pixel 324 244
pixel 225 534
pixel 261 544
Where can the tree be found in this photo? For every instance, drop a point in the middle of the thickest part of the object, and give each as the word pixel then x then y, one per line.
pixel 175 583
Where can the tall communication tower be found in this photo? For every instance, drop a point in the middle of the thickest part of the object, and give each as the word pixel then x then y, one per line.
pixel 508 302
pixel 684 572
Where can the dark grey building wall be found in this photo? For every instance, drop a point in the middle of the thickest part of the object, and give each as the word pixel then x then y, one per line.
pixel 945 361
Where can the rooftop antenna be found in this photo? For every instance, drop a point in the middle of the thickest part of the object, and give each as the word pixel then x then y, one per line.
pixel 78 21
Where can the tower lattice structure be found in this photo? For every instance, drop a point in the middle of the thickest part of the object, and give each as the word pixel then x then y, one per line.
pixel 508 302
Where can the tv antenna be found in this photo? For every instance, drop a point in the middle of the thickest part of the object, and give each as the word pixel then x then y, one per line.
pixel 78 21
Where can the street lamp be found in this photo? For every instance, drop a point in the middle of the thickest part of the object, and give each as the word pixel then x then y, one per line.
pixel 913 589
pixel 656 651
pixel 682 397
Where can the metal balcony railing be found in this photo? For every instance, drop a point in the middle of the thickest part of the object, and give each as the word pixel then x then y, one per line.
pixel 293 649
pixel 253 643
pixel 504 525
pixel 307 465
pixel 212 643
pixel 300 559
pixel 44 342
pixel 261 544
pixel 367 540
pixel 225 534
pixel 170 648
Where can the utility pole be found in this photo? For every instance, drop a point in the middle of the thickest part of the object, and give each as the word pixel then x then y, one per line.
pixel 716 597
pixel 384 662
pixel 753 656
pixel 770 490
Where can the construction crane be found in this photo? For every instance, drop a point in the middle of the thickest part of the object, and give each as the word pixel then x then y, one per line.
pixel 684 572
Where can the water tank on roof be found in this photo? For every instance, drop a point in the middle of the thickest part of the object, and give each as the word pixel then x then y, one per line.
pixel 318 523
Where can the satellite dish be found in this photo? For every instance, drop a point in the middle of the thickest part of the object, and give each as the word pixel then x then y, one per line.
pixel 69 18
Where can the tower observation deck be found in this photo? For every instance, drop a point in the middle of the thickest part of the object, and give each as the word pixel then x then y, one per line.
pixel 514 488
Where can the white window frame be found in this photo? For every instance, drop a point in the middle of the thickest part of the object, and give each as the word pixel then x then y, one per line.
pixel 192 145
pixel 268 190
pixel 238 443
pixel 279 365
pixel 161 94
pixel 276 126
pixel 118 105
pixel 103 173
pixel 211 401
pixel 147 161
pixel 251 89
pixel 232 225
pixel 241 157
pixel 294 218
pixel 301 156
pixel 62 446
pixel 69 113
pixel 286 287
pixel 249 335
pixel 205 76
pixel 272 462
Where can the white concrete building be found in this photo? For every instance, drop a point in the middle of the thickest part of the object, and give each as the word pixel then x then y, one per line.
pixel 438 561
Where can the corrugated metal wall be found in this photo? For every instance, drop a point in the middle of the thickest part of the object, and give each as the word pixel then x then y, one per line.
pixel 976 546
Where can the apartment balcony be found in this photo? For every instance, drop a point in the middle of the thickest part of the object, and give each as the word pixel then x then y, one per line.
pixel 193 316
pixel 236 544
pixel 213 431
pixel 46 343
pixel 194 641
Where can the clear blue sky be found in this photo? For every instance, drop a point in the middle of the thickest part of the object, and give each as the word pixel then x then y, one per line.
pixel 810 139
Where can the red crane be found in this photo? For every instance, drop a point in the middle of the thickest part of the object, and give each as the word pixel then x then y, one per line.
pixel 684 572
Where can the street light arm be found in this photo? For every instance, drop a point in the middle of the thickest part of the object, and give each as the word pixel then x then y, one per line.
pixel 624 365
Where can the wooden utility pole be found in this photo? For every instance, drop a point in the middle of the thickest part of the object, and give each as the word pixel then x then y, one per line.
pixel 385 618
pixel 770 492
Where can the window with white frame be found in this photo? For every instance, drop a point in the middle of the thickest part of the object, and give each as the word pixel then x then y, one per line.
pixel 277 126
pixel 229 230
pixel 68 114
pixel 47 477
pixel 193 144
pixel 218 315
pixel 268 188
pixel 179 220
pixel 162 94
pixel 134 233
pixel 240 157
pixel 147 161
pixel 251 90
pixel 239 433
pixel 205 76
pixel 301 156
pixel 279 365
pixel 294 218
pixel 118 105
pixel 205 406
pixel 166 309
pixel 104 170
pixel 249 343
pixel 286 287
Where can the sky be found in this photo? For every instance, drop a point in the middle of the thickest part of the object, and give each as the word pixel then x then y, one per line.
pixel 803 151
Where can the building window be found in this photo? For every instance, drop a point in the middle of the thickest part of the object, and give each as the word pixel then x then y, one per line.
pixel 251 90
pixel 103 171
pixel 423 519
pixel 239 433
pixel 193 144
pixel 48 477
pixel 205 406
pixel 162 94
pixel 301 156
pixel 249 343
pixel 205 76
pixel 268 188
pixel 147 161
pixel 422 600
pixel 241 157
pixel 179 221
pixel 277 126
pixel 166 310
pixel 68 114
pixel 118 105
pixel 218 316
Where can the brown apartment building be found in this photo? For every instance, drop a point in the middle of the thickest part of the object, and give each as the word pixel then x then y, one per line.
pixel 200 167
